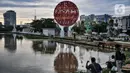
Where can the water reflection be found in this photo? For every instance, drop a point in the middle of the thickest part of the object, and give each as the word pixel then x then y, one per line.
pixel 10 42
pixel 45 47
pixel 45 56
pixel 65 61
pixel 19 37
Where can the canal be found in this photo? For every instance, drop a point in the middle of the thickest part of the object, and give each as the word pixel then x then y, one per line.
pixel 21 55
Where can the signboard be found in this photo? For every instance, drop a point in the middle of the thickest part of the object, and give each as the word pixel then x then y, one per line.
pixel 66 13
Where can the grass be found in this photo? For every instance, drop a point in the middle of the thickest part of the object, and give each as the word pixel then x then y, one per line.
pixel 127 54
pixel 104 71
pixel 127 57
pixel 35 37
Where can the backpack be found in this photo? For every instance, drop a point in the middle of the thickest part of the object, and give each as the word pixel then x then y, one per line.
pixel 98 69
pixel 109 64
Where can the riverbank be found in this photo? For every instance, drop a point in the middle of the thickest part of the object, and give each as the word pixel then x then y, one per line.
pixel 72 41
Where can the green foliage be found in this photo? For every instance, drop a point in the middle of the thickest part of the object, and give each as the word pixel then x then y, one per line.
pixel 91 26
pixel 43 23
pixel 127 53
pixel 78 29
pixel 18 28
pixel 4 28
pixel 35 36
pixel 111 21
pixel 102 27
pixel 105 71
pixel 127 57
pixel 127 61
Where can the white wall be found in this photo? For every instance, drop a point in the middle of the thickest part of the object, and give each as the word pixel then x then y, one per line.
pixel 61 33
pixel 48 31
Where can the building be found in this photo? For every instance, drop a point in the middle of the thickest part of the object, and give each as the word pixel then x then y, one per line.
pixel 10 18
pixel 91 17
pixel 49 31
pixel 118 22
pixel 123 23
pixel 10 43
pixel 126 23
pixel 87 18
pixel 82 18
pixel 97 18
pixel 103 18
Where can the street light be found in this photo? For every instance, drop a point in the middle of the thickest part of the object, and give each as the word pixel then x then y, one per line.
pixel 74 35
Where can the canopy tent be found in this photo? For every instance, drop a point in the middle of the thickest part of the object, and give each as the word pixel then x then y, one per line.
pixel 95 33
pixel 123 35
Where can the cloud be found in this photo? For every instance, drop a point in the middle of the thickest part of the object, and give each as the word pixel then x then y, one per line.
pixel 7 3
pixel 100 6
pixel 25 8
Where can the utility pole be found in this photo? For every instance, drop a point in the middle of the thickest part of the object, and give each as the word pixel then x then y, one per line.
pixel 35 15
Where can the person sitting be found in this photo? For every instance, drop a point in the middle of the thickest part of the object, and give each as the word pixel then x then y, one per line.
pixel 111 64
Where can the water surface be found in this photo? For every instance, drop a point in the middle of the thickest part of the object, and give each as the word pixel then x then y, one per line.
pixel 21 55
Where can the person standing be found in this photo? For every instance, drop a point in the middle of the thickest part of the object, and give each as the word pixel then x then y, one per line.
pixel 93 67
pixel 123 56
pixel 118 58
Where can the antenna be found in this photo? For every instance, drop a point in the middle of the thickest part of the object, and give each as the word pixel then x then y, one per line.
pixel 35 16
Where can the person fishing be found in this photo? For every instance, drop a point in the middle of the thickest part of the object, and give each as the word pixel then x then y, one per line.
pixel 94 67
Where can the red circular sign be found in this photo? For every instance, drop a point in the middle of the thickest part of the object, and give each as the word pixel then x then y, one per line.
pixel 66 13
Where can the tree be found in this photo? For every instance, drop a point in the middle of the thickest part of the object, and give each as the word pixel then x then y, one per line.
pixel 19 28
pixel 100 27
pixel 8 28
pixel 111 22
pixel 44 23
pixel 37 24
pixel 78 29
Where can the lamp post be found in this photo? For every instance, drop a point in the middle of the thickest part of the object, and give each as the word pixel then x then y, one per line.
pixel 74 35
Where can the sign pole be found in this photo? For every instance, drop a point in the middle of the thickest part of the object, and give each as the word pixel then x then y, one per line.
pixel 66 14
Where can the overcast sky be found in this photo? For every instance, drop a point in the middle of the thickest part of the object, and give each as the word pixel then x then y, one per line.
pixel 25 9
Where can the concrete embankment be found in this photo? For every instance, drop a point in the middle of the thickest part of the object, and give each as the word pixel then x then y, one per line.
pixel 102 44
pixel 71 41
